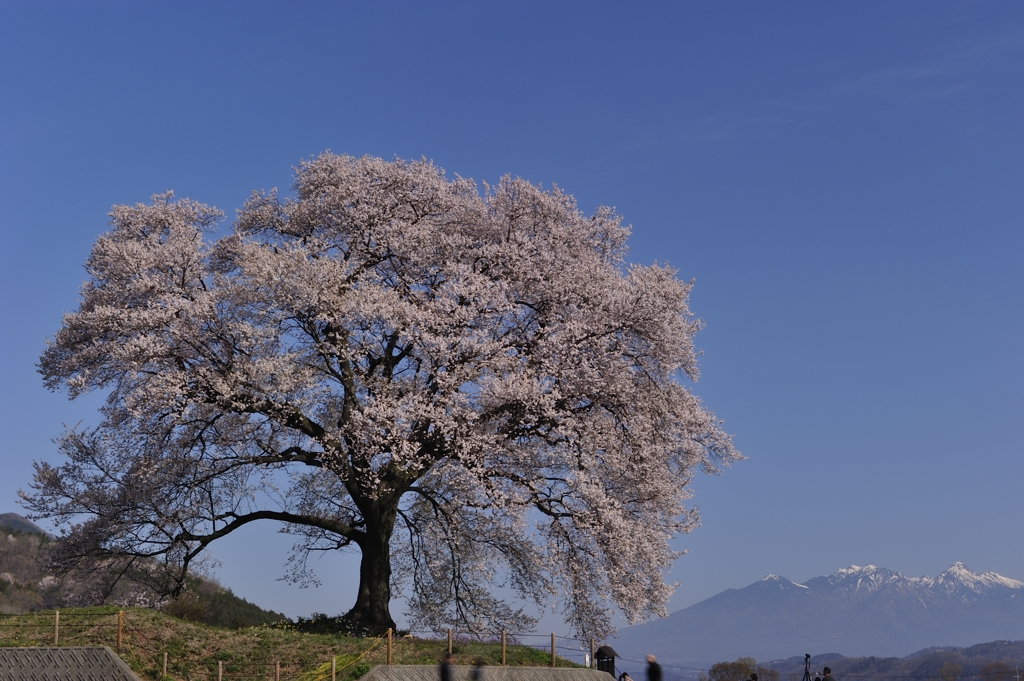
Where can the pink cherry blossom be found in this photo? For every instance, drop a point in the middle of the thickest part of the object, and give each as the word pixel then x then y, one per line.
pixel 471 387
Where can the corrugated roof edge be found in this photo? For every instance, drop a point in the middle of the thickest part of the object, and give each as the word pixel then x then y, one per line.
pixel 430 672
pixel 60 663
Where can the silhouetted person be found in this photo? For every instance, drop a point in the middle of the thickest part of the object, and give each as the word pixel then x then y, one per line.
pixel 478 670
pixel 753 677
pixel 446 667
pixel 653 669
pixel 828 674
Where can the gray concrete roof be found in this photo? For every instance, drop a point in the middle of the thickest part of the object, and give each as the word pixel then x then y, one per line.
pixel 430 672
pixel 99 663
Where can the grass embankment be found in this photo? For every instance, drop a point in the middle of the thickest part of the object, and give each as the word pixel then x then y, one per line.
pixel 193 650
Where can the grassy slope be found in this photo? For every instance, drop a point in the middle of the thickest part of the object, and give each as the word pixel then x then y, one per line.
pixel 194 649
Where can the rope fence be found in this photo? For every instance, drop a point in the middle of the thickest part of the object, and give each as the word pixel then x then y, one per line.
pixel 144 651
pixel 148 652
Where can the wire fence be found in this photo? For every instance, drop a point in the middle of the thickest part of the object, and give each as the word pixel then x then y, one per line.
pixel 158 650
pixel 155 649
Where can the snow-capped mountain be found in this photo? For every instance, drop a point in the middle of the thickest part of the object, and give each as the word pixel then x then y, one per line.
pixel 960 582
pixel 854 611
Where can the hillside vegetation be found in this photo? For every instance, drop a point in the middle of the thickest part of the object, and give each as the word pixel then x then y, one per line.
pixel 21 578
pixel 25 586
pixel 194 649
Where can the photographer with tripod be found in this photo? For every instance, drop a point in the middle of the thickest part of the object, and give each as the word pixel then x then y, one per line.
pixel 827 671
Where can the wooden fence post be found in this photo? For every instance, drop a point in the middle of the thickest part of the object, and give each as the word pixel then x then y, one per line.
pixel 56 626
pixel 389 646
pixel 220 670
pixel 120 628
pixel 552 650
pixel 277 670
pixel 334 668
pixel 503 663
pixel 592 662
pixel 449 641
pixel 165 663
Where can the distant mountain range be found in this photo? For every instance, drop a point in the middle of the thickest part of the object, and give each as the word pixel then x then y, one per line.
pixel 856 611
pixel 993 661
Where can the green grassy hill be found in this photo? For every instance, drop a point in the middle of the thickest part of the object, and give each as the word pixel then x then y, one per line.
pixel 194 649
pixel 207 625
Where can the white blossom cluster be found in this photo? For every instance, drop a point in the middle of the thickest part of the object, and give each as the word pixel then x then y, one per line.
pixel 472 387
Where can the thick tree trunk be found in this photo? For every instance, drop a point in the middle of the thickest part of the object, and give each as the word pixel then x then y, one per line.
pixel 371 611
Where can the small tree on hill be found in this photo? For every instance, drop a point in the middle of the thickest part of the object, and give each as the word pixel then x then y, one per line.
pixel 950 671
pixel 995 671
pixel 740 670
pixel 466 387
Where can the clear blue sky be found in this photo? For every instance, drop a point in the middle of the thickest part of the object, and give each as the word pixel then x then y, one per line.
pixel 845 182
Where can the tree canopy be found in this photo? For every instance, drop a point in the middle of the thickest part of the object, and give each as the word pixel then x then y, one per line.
pixel 469 386
pixel 740 670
